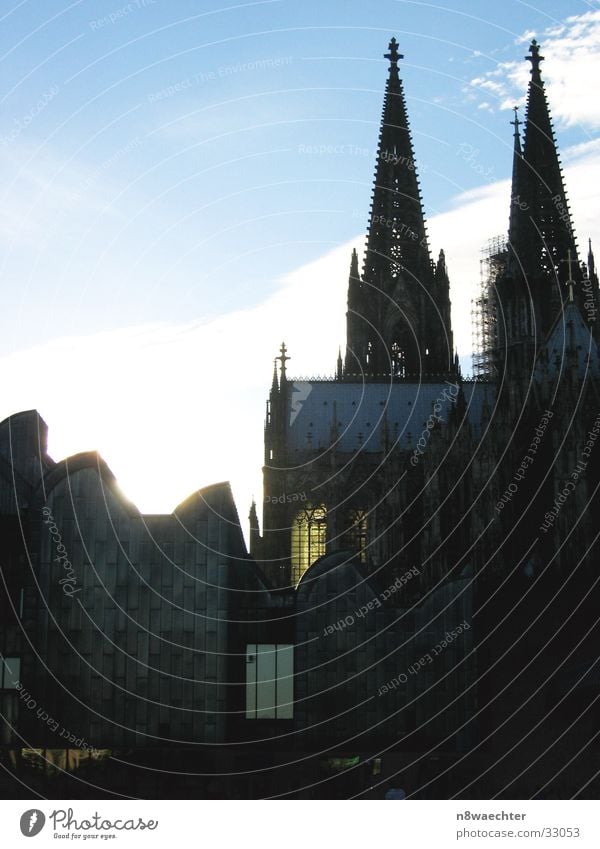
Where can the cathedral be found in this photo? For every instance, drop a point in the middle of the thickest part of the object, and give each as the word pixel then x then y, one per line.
pixel 399 457
pixel 418 607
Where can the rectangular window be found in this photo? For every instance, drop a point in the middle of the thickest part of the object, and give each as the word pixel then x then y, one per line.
pixel 269 681
pixel 10 672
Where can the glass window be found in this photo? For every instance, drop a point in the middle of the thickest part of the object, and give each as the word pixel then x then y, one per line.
pixel 269 681
pixel 10 672
pixel 309 539
pixel 9 706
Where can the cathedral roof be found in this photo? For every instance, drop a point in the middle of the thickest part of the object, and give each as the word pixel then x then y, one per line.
pixel 364 411
pixel 569 338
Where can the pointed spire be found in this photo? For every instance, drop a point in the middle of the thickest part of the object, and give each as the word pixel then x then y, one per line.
pixel 355 326
pixel 518 206
pixel 441 270
pixel 457 369
pixel 570 281
pixel 276 421
pixel 551 231
pixel 540 238
pixel 398 319
pixel 283 359
pixel 591 264
pixel 354 283
pixel 340 365
pixel 396 233
pixel 354 272
pixel 516 135
pixel 253 515
pixel 254 529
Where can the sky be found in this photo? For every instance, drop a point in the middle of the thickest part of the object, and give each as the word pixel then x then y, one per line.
pixel 183 183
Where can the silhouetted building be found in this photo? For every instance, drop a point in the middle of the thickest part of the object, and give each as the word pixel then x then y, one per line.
pixel 422 598
pixel 488 487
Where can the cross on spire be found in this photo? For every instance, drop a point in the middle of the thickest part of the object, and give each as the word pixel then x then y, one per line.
pixel 535 58
pixel 393 55
pixel 516 123
pixel 397 249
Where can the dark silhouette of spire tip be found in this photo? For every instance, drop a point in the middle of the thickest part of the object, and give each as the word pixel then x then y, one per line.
pixel 283 358
pixel 516 136
pixel 393 55
pixel 534 57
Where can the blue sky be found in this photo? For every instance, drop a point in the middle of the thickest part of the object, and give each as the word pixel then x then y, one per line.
pixel 182 183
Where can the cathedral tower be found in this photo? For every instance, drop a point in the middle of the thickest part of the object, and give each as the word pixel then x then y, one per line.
pixel 542 269
pixel 398 319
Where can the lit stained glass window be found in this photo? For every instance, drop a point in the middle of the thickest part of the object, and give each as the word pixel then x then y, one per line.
pixel 309 537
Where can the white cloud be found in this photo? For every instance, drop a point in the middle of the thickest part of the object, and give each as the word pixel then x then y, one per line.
pixel 175 407
pixel 573 67
pixel 576 151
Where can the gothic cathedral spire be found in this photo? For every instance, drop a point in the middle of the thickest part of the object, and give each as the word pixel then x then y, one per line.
pixel 550 236
pixel 542 264
pixel 398 319
pixel 396 235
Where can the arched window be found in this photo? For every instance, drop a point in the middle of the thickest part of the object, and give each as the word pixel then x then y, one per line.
pixel 309 538
pixel 357 533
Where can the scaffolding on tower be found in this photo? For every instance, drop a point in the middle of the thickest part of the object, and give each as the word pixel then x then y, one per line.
pixel 484 314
